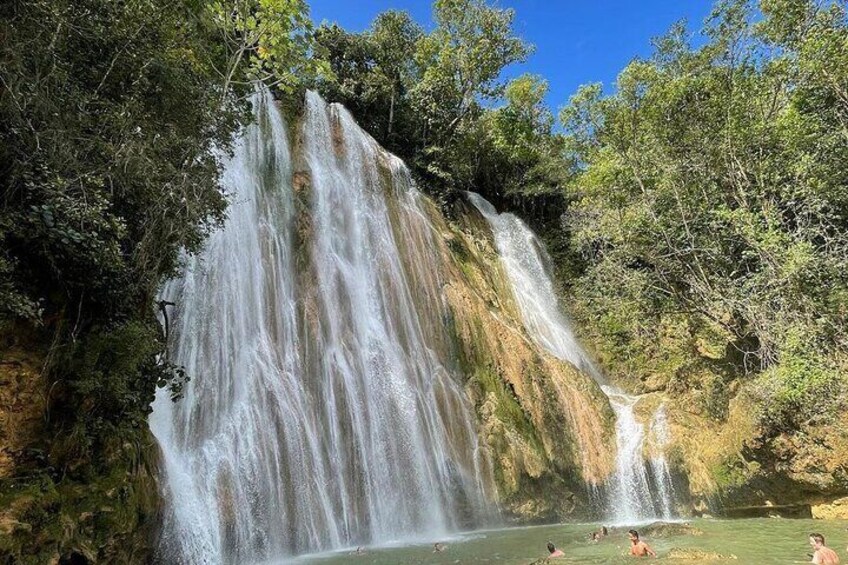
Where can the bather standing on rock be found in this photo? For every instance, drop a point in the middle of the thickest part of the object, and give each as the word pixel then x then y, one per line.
pixel 822 555
pixel 638 547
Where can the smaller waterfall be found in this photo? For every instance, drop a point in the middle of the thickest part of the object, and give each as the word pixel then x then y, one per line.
pixel 661 437
pixel 639 490
pixel 525 260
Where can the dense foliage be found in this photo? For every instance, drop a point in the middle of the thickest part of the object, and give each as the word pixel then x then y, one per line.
pixel 432 98
pixel 109 112
pixel 712 207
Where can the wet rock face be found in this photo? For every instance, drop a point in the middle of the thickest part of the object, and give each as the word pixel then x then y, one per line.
pixel 834 510
pixel 107 514
pixel 735 470
pixel 95 511
pixel 548 427
pixel 669 529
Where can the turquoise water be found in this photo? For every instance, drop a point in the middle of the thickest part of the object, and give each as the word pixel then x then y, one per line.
pixel 751 541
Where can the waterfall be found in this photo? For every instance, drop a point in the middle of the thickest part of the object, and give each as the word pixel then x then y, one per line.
pixel 661 471
pixel 525 260
pixel 641 489
pixel 322 411
pixel 638 490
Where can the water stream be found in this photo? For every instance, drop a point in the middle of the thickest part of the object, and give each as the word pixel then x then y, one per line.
pixel 639 490
pixel 321 412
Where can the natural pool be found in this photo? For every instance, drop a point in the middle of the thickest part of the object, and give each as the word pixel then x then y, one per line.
pixel 750 541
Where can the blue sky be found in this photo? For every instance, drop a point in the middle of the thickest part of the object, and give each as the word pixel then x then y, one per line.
pixel 577 41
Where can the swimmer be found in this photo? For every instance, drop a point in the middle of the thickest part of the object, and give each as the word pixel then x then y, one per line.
pixel 822 555
pixel 638 547
pixel 553 551
pixel 439 547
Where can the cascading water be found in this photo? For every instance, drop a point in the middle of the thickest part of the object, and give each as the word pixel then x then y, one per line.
pixel 320 413
pixel 660 435
pixel 524 257
pixel 641 490
pixel 637 491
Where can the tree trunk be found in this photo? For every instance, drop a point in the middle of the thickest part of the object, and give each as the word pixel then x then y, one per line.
pixel 391 113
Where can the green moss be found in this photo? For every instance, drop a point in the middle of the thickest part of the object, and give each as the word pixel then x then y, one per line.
pixel 507 408
pixel 459 251
pixel 104 511
pixel 729 474
pixel 475 363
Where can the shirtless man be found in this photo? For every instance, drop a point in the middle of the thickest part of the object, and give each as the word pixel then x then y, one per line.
pixel 554 552
pixel 638 547
pixel 822 555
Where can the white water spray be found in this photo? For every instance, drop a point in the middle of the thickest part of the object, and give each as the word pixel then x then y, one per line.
pixel 641 489
pixel 638 491
pixel 661 437
pixel 320 413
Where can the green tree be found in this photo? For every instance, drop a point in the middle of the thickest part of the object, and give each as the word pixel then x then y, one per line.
pixel 711 201
pixel 265 40
pixel 371 73
pixel 461 62
pixel 528 154
pixel 421 95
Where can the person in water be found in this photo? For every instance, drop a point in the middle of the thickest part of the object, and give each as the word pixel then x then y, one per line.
pixel 553 551
pixel 439 547
pixel 638 547
pixel 596 537
pixel 822 555
pixel 604 531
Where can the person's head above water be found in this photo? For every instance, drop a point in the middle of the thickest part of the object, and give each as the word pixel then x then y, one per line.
pixel 816 540
pixel 634 535
pixel 551 547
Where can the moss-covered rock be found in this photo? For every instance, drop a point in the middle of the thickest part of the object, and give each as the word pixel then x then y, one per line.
pixel 105 518
pixel 735 464
pixel 547 426
pixel 101 510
